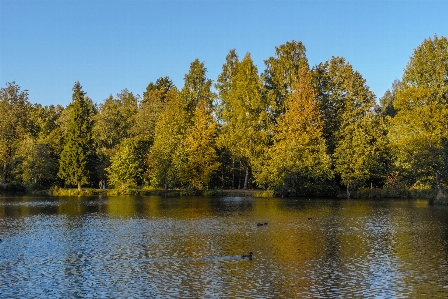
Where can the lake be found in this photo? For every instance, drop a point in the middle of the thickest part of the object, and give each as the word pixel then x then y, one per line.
pixel 191 247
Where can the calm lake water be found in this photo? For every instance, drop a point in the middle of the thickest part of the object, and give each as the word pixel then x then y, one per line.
pixel 153 247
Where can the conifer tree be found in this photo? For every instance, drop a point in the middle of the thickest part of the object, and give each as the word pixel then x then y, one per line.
pixel 77 157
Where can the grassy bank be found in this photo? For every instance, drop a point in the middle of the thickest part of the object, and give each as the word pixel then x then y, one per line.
pixel 428 194
pixel 154 192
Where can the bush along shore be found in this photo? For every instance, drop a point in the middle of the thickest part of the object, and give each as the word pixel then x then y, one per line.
pixel 56 191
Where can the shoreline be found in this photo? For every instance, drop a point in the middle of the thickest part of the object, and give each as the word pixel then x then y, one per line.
pixel 425 194
pixel 365 193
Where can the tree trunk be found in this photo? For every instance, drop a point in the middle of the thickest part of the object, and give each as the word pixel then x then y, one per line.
pixel 439 187
pixel 79 187
pixel 222 177
pixel 246 177
pixel 348 192
pixel 233 173
pixel 5 169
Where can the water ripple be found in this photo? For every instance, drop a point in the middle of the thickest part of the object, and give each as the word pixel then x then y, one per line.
pixel 191 248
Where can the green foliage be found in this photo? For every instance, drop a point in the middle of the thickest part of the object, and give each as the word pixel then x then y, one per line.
pixel 148 113
pixel 243 113
pixel 37 164
pixel 167 159
pixel 347 106
pixel 282 72
pixel 196 87
pixel 361 152
pixel 128 167
pixel 42 120
pixel 292 130
pixel 200 147
pixel 114 119
pixel 229 69
pixel 419 128
pixel 298 157
pixel 75 165
pixel 14 108
pixel 154 100
pixel 112 124
pixel 387 101
pixel 343 95
pixel 163 84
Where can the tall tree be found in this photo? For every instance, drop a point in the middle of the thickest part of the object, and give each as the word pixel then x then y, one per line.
pixel 345 100
pixel 362 151
pixel 196 86
pixel 282 72
pixel 76 163
pixel 229 69
pixel 163 84
pixel 166 159
pixel 37 158
pixel 200 147
pixel 420 126
pixel 149 110
pixel 112 124
pixel 14 108
pixel 224 86
pixel 343 95
pixel 297 162
pixel 244 116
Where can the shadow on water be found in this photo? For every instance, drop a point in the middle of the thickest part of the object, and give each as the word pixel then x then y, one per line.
pixel 192 247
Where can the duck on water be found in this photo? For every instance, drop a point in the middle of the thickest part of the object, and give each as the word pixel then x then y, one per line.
pixel 247 256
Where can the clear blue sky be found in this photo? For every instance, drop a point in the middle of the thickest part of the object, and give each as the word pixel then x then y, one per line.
pixel 46 46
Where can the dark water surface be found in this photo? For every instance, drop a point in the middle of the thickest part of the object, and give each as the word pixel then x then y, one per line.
pixel 152 247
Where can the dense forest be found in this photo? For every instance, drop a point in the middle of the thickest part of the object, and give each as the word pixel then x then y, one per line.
pixel 292 128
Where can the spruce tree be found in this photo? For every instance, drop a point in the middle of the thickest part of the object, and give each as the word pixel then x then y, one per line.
pixel 76 163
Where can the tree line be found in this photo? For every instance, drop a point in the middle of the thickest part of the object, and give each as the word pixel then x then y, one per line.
pixel 292 128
